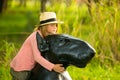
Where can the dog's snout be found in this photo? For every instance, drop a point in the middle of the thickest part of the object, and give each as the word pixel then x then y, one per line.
pixel 92 52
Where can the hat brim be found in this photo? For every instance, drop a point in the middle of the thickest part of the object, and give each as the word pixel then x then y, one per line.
pixel 57 22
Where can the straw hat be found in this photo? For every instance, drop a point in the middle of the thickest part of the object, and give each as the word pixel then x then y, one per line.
pixel 48 18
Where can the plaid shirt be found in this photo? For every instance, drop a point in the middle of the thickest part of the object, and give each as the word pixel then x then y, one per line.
pixel 28 55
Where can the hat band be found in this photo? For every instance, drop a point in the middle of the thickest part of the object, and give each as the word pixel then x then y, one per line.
pixel 48 20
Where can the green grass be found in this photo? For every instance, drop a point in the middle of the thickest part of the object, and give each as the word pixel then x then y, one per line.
pixel 93 71
pixel 102 31
pixel 18 20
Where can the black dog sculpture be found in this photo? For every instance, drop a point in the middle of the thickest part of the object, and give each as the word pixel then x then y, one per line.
pixel 61 49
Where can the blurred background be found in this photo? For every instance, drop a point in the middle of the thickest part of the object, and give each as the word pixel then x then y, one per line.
pixel 95 21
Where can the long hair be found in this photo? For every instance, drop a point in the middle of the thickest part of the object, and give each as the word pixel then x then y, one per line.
pixel 36 28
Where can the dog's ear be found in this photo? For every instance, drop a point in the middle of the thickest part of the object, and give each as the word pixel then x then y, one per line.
pixel 41 43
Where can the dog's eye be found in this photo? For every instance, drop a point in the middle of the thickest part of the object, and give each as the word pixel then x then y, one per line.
pixel 61 40
pixel 64 42
pixel 67 40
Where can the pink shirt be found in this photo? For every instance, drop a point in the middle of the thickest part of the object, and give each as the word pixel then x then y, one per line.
pixel 28 55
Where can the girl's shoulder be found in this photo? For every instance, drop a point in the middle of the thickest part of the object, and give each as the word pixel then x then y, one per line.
pixel 33 34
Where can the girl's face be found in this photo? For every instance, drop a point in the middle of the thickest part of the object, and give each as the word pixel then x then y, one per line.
pixel 49 29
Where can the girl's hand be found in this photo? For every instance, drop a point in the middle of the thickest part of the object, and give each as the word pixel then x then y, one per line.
pixel 58 68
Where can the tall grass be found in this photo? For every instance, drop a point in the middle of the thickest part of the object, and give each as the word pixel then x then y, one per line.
pixel 101 30
pixel 7 51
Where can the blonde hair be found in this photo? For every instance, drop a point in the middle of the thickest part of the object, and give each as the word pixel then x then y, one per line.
pixel 36 28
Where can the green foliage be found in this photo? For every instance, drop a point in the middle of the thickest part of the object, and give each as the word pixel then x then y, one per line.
pixel 7 51
pixel 101 30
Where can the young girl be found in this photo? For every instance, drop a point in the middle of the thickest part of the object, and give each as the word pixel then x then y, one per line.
pixel 29 54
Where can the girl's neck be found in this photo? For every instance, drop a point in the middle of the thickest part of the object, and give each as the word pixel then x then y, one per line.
pixel 41 33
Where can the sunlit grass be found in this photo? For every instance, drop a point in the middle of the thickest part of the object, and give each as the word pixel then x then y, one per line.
pixel 29 5
pixel 101 30
pixel 7 51
pixel 93 71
